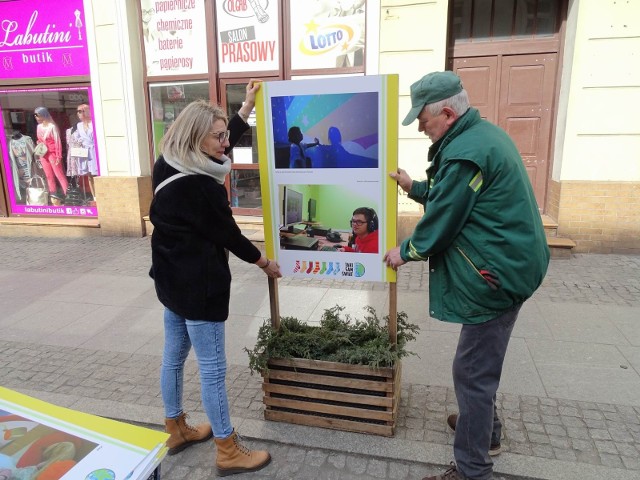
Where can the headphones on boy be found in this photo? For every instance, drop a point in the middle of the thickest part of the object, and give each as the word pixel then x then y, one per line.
pixel 372 224
pixel 372 219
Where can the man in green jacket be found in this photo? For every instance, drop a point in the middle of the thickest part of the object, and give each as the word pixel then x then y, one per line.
pixel 483 236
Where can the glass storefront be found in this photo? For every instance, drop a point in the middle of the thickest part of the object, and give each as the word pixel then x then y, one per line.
pixel 47 137
pixel 167 101
pixel 245 176
pixel 264 39
pixel 245 189
pixel 48 149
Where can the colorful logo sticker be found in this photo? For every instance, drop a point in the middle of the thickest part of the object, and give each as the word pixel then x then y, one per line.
pixel 354 269
pixel 347 269
pixel 358 270
pixel 102 474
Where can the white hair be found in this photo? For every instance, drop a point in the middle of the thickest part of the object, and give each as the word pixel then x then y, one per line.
pixel 459 103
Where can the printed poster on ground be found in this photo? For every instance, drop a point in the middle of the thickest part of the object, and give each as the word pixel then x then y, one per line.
pixel 42 440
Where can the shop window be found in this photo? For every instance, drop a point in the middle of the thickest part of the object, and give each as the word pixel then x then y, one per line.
pixel 490 20
pixel 167 101
pixel 245 177
pixel 59 181
pixel 265 39
pixel 245 151
pixel 245 189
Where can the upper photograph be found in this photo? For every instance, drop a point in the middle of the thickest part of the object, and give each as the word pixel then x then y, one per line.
pixel 326 131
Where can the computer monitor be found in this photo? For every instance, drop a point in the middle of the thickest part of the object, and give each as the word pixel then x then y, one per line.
pixel 312 209
pixel 292 207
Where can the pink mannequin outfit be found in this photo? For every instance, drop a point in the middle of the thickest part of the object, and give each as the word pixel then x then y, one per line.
pixel 52 160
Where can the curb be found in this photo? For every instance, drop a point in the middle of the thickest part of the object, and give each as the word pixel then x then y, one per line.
pixel 509 465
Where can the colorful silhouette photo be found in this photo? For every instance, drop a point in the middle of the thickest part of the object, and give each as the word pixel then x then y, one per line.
pixel 326 131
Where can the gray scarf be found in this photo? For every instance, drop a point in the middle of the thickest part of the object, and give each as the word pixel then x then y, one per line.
pixel 211 169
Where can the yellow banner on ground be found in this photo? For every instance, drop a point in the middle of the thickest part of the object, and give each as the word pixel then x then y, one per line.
pixel 39 436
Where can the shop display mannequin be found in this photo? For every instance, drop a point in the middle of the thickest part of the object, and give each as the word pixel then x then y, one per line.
pixel 21 153
pixel 81 153
pixel 51 161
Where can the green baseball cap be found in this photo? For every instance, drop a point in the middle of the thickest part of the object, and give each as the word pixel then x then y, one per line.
pixel 432 88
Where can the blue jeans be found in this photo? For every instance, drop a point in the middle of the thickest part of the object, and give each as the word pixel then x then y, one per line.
pixel 477 368
pixel 207 339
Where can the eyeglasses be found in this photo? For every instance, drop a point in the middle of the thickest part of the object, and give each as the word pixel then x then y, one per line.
pixel 359 223
pixel 220 136
pixel 80 111
pixel 36 115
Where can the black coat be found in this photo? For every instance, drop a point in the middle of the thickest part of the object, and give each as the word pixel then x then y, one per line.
pixel 193 225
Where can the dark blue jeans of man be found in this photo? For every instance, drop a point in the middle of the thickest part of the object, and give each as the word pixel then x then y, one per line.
pixel 477 368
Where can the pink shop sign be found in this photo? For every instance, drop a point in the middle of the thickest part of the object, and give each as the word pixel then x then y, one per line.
pixel 41 39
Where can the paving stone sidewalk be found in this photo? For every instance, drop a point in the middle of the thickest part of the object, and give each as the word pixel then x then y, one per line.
pixel 591 433
pixel 585 278
pixel 585 436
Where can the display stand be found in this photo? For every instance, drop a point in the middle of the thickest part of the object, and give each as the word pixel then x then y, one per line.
pixel 333 395
pixel 310 392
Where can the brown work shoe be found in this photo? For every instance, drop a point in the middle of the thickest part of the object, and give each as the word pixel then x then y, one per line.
pixel 494 449
pixel 450 474
pixel 183 435
pixel 234 457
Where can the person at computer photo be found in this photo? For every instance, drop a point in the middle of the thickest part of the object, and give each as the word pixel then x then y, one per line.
pixel 364 237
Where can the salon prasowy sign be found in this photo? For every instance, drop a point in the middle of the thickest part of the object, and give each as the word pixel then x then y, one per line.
pixel 174 33
pixel 43 39
pixel 247 35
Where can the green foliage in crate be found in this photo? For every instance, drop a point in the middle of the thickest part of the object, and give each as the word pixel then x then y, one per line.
pixel 338 338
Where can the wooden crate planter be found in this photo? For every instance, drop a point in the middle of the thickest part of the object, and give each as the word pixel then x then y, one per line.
pixel 333 395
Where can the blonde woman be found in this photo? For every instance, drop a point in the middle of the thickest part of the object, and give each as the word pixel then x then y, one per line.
pixel 193 228
pixel 82 159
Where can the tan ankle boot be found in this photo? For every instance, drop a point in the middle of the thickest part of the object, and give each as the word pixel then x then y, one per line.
pixel 184 435
pixel 233 457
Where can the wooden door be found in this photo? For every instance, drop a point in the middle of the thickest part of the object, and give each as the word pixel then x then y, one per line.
pixel 525 105
pixel 480 78
pixel 516 92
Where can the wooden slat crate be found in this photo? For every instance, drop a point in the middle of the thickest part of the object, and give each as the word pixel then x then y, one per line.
pixel 333 395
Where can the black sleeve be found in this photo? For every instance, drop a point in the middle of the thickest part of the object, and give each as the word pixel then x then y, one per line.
pixel 237 127
pixel 222 228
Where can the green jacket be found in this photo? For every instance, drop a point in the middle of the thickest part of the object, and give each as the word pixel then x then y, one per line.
pixel 480 216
